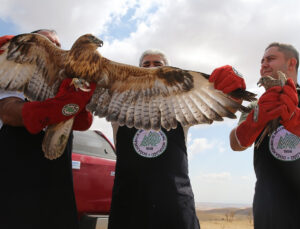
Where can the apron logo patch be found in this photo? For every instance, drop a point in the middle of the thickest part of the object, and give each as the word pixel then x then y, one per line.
pixel 150 143
pixel 70 109
pixel 284 145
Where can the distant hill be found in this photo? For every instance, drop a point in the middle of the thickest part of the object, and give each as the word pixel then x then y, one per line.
pixel 210 206
pixel 237 211
pixel 244 211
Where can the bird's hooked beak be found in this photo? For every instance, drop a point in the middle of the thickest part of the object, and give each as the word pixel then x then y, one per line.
pixel 97 41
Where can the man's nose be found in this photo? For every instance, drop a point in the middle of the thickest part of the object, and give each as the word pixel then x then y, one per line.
pixel 264 64
pixel 152 65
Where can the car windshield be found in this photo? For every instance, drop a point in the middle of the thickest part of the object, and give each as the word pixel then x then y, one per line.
pixel 93 144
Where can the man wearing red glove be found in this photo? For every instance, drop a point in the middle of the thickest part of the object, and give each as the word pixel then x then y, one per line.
pixel 276 159
pixel 152 188
pixel 37 191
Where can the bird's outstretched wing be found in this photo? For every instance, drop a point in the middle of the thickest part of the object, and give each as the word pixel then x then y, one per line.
pixel 132 96
pixel 33 65
pixel 140 97
pixel 149 98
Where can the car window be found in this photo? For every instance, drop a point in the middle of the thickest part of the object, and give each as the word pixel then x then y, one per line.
pixel 93 144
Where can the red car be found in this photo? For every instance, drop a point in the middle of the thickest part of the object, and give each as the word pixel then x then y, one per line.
pixel 93 163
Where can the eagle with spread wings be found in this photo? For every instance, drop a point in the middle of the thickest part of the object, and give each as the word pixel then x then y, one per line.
pixel 148 98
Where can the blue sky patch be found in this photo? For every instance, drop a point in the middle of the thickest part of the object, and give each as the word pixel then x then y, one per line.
pixel 7 28
pixel 122 27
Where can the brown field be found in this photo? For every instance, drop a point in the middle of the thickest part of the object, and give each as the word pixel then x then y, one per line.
pixel 226 218
pixel 223 218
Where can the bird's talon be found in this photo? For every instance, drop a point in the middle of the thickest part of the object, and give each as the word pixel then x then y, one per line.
pixel 80 84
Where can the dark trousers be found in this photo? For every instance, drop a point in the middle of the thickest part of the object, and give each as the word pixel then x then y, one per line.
pixel 35 193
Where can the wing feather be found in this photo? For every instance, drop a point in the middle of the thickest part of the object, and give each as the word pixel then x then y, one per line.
pixel 168 115
pixel 99 102
pixel 187 112
pixel 130 114
pixel 200 112
pixel 165 111
pixel 115 105
pixel 33 65
pixel 161 97
pixel 154 113
pixel 138 108
pixel 224 101
pixel 146 109
pixel 172 115
pixel 178 111
pixel 182 113
pixel 125 106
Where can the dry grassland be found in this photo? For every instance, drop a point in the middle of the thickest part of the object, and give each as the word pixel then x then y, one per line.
pixel 226 219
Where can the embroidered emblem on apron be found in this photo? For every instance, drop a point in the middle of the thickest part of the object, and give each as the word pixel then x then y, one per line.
pixel 284 145
pixel 150 143
pixel 70 109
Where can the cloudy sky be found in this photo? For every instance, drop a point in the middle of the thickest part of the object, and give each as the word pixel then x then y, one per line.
pixel 195 34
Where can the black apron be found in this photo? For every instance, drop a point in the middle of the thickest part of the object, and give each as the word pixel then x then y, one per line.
pixel 35 193
pixel 276 202
pixel 152 191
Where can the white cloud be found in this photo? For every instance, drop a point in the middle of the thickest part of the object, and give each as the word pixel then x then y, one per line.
pixel 247 178
pixel 221 148
pixel 222 187
pixel 70 18
pixel 198 145
pixel 189 138
pixel 202 35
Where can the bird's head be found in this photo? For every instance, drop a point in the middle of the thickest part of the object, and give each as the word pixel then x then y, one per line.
pixel 88 40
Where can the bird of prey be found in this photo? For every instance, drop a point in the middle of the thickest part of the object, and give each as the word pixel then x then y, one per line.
pixel 148 98
pixel 268 82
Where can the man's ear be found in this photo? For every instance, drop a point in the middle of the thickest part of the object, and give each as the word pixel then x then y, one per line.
pixel 292 64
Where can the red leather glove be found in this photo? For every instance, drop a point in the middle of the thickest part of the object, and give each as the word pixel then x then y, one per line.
pixel 269 108
pixel 227 79
pixel 67 103
pixel 3 40
pixel 83 120
pixel 290 117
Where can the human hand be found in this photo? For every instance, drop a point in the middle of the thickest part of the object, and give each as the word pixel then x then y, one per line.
pixel 83 120
pixel 68 102
pixel 289 98
pixel 268 108
pixel 290 117
pixel 227 79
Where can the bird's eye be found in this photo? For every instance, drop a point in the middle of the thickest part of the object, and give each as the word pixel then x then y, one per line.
pixel 58 44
